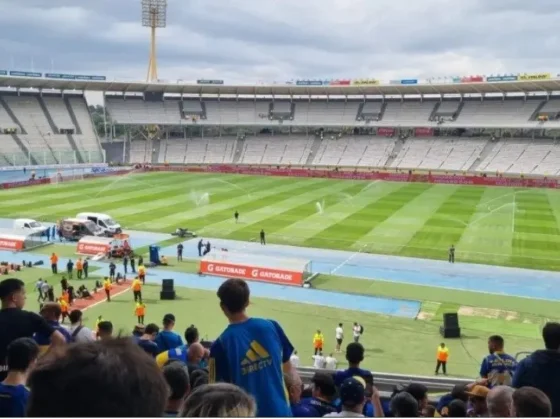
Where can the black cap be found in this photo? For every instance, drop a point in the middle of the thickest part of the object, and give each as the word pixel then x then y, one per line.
pixel 352 391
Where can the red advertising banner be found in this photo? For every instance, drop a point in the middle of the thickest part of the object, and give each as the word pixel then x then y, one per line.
pixel 340 82
pixel 11 185
pixel 91 248
pixel 251 273
pixel 424 132
pixel 472 79
pixel 11 244
pixel 385 131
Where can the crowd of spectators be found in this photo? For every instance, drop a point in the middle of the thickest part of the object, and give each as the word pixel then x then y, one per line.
pixel 47 370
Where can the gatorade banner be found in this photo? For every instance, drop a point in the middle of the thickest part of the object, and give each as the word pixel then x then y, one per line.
pixel 251 273
pixel 10 244
pixel 93 246
pixel 535 76
pixel 385 131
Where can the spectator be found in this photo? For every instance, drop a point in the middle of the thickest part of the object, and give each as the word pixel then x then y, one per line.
pixel 404 405
pixel 354 356
pixel 499 402
pixel 330 362
pixel 429 411
pixel 180 352
pixel 294 359
pixel 104 330
pixel 167 339
pixel 112 378
pixel 530 402
pixel 16 323
pixel 542 368
pixel 146 341
pixel 51 312
pixel 252 353
pixel 79 332
pixel 195 354
pixel 420 393
pixel 457 409
pixel 294 386
pixel 198 378
pixel 498 367
pixel 477 399
pixel 176 375
pixel 321 401
pixel 458 393
pixel 219 400
pixel 22 355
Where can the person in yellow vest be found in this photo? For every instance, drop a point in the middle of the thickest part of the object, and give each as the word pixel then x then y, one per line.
pixel 140 312
pixel 142 273
pixel 441 358
pixel 318 341
pixel 107 287
pixel 137 290
pixel 79 268
pixel 63 308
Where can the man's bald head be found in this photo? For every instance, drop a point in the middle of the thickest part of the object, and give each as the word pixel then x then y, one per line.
pixel 195 353
pixel 499 402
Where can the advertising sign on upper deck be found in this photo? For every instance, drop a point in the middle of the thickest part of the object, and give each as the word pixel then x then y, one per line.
pixel 535 76
pixel 492 79
pixel 365 82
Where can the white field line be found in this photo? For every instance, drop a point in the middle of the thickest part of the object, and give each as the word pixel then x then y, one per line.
pixel 104 301
pixel 352 256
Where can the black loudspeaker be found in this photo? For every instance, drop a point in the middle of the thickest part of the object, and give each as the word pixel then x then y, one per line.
pixel 450 328
pixel 167 289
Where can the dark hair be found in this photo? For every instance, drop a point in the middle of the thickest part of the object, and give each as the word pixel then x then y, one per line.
pixel 176 375
pixel 234 295
pixel 354 353
pixel 457 409
pixel 497 340
pixel 339 324
pixel 404 405
pixel 75 316
pixel 198 377
pixel 418 391
pixel 168 319
pixel 105 326
pixel 21 353
pixel 530 402
pixel 191 334
pixel 151 328
pixel 10 286
pixel 324 382
pixel 116 371
pixel 551 336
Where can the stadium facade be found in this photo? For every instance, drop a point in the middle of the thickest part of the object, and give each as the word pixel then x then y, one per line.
pixel 504 124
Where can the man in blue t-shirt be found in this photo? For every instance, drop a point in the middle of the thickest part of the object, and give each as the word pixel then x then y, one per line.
pixel 51 312
pixel 498 367
pixel 251 353
pixel 322 399
pixel 146 340
pixel 21 355
pixel 167 339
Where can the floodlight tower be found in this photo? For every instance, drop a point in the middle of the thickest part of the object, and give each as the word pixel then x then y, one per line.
pixel 154 15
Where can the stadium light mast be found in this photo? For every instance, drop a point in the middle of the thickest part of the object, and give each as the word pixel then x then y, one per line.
pixel 154 15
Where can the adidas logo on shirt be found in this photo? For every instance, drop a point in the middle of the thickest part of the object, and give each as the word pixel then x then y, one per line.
pixel 256 359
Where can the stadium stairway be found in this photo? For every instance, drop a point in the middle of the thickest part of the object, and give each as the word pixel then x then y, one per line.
pixel 52 125
pixel 24 149
pixel 156 145
pixel 12 115
pixel 394 152
pixel 537 111
pixel 433 114
pixel 239 149
pixel 483 154
pixel 72 116
pixel 314 149
pixel 75 148
pixel 56 161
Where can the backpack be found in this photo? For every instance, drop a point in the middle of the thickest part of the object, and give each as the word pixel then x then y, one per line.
pixel 361 330
pixel 75 333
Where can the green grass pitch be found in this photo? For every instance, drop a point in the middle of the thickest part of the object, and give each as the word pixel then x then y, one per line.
pixel 503 226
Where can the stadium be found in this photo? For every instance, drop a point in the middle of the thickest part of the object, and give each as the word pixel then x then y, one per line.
pixel 386 203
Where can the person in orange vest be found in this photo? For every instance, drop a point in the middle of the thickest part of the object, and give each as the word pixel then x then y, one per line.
pixel 65 296
pixel 140 312
pixel 79 268
pixel 54 263
pixel 63 308
pixel 318 341
pixel 107 287
pixel 441 358
pixel 137 290
pixel 142 273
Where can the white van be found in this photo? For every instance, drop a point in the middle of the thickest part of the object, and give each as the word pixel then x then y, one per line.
pixel 29 225
pixel 109 226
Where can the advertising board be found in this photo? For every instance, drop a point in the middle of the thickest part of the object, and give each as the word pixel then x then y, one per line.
pixel 251 273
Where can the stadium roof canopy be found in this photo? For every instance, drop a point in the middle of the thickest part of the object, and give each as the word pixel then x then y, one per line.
pixel 533 86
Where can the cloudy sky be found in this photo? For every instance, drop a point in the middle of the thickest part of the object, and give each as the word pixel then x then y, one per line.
pixel 278 40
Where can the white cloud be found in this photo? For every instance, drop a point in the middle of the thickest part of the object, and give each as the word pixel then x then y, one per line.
pixel 257 40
